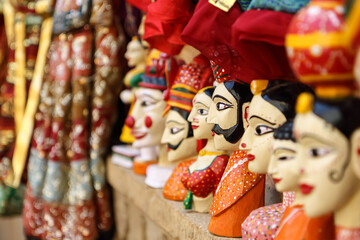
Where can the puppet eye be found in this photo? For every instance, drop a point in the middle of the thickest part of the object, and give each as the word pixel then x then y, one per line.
pixel 318 152
pixel 263 129
pixel 202 111
pixel 175 130
pixel 222 106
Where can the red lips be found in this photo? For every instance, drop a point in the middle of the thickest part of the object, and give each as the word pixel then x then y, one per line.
pixel 306 189
pixel 194 126
pixel 250 157
pixel 276 180
pixel 138 135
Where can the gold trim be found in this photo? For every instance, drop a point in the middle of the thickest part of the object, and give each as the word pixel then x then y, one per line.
pixel 176 93
pixel 182 85
pixel 312 78
pixel 326 5
pixel 23 138
pixel 333 92
pixel 353 23
pixel 179 105
pixel 317 38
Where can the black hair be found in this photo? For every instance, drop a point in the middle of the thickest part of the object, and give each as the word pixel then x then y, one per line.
pixel 283 95
pixel 209 91
pixel 242 94
pixel 343 114
pixel 285 131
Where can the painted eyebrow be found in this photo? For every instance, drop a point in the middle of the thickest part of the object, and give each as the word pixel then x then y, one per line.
pixel 313 136
pixel 255 116
pixel 284 148
pixel 201 104
pixel 219 96
pixel 148 95
pixel 170 121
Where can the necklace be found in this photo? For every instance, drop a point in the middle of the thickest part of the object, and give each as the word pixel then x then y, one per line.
pixel 204 152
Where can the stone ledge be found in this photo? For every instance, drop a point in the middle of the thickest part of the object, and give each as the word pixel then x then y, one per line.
pixel 143 213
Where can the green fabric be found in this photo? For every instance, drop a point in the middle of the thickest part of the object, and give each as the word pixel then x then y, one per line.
pixel 289 6
pixel 244 4
pixel 134 82
pixel 11 200
pixel 188 200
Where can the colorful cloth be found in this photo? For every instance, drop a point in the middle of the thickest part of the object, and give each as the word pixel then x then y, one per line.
pixel 174 189
pixel 203 182
pixel 67 196
pixel 262 223
pixel 288 199
pixel 289 6
pixel 236 181
pixel 238 194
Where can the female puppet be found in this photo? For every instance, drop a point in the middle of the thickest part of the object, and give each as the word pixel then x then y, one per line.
pixel 273 103
pixel 178 134
pixel 328 131
pixel 283 168
pixel 205 173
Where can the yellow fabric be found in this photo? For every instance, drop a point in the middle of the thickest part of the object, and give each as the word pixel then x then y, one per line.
pixel 328 77
pixel 307 41
pixel 126 135
pixel 20 82
pixel 24 136
pixel 327 5
pixel 187 87
pixel 353 22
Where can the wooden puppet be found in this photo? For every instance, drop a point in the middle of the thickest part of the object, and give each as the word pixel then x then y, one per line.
pixel 204 175
pixel 178 134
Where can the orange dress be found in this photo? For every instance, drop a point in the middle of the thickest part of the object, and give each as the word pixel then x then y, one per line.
pixel 297 226
pixel 174 189
pixel 239 193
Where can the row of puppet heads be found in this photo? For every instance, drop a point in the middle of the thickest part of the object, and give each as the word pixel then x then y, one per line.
pixel 314 152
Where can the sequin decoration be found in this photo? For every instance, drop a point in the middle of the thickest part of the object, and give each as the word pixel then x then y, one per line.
pixel 263 223
pixel 288 198
pixel 235 183
pixel 174 189
pixel 347 233
pixel 203 182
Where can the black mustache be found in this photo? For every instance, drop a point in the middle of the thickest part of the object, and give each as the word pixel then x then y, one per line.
pixel 232 134
pixel 174 147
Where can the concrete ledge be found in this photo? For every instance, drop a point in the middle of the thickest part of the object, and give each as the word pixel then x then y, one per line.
pixel 142 213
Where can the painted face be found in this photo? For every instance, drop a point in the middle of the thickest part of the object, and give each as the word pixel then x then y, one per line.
pixel 135 53
pixel 258 137
pixel 198 116
pixel 326 180
pixel 224 114
pixel 176 137
pixel 147 125
pixel 282 166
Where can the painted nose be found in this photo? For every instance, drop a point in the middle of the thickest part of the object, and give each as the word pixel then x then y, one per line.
pixel 130 121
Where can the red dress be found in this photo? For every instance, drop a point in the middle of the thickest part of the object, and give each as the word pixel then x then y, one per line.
pixel 203 182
